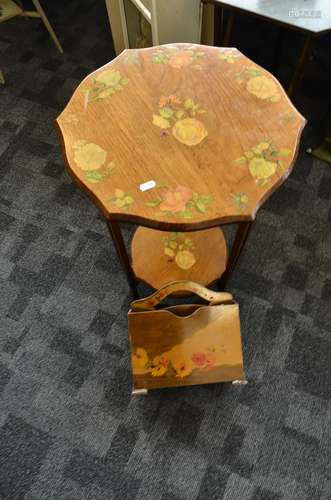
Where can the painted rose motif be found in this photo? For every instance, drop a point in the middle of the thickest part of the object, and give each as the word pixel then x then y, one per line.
pixel 178 248
pixel 180 117
pixel 258 84
pixel 199 359
pixel 189 131
pixel 183 368
pixel 109 78
pixel 261 169
pixel 185 259
pixel 175 200
pixel 105 84
pixel 180 201
pixel 201 352
pixel 241 200
pixel 263 160
pixel 263 88
pixel 89 156
pixel 121 199
pixel 228 55
pixel 178 58
pixel 159 366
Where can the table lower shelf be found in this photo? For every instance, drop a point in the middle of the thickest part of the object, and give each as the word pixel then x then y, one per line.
pixel 159 257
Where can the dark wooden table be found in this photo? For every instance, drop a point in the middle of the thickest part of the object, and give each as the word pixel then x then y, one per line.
pixel 311 17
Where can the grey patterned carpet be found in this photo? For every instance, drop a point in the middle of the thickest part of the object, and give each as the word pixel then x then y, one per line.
pixel 69 428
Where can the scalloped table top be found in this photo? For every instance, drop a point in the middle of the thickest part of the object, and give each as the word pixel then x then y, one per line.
pixel 214 131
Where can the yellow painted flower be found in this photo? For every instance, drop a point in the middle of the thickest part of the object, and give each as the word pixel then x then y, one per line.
pixel 185 259
pixel 89 156
pixel 161 122
pixel 261 168
pixel 263 87
pixel 169 252
pixel 183 368
pixel 261 147
pixel 110 78
pixel 243 198
pixel 189 131
pixel 158 371
pixel 121 199
pixel 139 359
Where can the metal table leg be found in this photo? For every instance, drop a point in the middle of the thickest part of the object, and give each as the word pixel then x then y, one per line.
pixel 237 247
pixel 117 237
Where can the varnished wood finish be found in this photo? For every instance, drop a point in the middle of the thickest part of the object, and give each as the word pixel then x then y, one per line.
pixel 185 344
pixel 159 257
pixel 119 244
pixel 202 174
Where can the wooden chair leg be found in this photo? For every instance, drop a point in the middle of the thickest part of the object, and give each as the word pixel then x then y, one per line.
pixel 49 28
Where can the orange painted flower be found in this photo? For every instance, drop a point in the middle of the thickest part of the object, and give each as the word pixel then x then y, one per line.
pixel 160 366
pixel 210 361
pixel 171 99
pixel 180 59
pixel 174 200
pixel 199 359
pixel 183 368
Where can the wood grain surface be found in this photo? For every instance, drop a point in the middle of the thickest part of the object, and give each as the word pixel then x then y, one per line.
pixel 216 133
pixel 185 345
pixel 199 256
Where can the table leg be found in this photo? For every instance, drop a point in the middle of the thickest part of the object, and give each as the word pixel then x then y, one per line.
pixel 278 50
pixel 228 33
pixel 117 237
pixel 238 245
pixel 300 69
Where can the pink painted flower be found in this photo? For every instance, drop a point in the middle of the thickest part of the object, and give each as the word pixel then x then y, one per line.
pixel 199 359
pixel 174 200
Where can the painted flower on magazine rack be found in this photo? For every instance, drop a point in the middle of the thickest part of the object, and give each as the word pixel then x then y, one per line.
pixel 260 85
pixel 179 248
pixel 202 352
pixel 105 84
pixel 263 161
pixel 91 158
pixel 180 201
pixel 181 117
pixel 178 58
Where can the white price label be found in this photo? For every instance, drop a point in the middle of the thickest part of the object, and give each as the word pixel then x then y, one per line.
pixel 147 185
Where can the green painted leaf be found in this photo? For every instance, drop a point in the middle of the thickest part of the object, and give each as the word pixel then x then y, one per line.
pixel 239 160
pixel 284 152
pixel 94 176
pixel 153 203
pixel 186 214
pixel 205 198
pixel 200 206
pixel 166 112
pixel 189 104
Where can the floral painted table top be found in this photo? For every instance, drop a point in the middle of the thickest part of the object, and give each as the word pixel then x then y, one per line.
pixel 214 131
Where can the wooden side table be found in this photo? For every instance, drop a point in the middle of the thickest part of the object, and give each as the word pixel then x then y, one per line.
pixel 180 139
